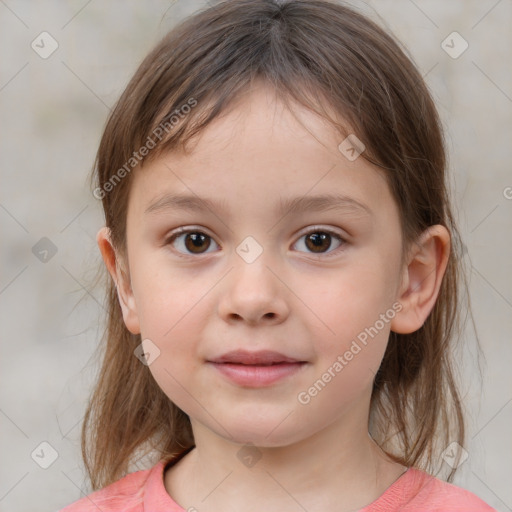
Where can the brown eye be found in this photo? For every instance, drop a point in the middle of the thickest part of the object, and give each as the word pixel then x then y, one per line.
pixel 196 242
pixel 190 242
pixel 317 242
pixel 320 241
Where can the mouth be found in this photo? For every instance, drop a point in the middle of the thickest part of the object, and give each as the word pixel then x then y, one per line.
pixel 259 358
pixel 256 369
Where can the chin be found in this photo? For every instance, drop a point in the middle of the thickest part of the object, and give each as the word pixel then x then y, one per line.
pixel 266 433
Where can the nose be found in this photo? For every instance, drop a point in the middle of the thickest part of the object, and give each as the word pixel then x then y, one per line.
pixel 253 293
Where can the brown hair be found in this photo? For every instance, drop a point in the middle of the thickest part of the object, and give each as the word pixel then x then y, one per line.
pixel 317 53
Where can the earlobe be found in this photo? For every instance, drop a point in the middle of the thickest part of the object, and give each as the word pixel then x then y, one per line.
pixel 119 275
pixel 421 279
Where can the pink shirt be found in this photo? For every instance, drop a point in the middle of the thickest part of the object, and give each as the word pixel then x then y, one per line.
pixel 414 491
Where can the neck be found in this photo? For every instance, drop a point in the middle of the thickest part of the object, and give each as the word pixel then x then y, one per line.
pixel 340 467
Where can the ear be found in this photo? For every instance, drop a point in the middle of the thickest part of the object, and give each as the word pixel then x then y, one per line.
pixel 421 279
pixel 114 265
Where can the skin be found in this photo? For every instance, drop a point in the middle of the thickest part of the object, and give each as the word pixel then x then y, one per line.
pixel 305 304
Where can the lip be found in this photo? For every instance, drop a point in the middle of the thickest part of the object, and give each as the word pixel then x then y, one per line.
pixel 256 369
pixel 260 357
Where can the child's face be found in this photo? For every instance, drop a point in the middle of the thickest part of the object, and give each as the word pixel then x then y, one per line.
pixel 197 301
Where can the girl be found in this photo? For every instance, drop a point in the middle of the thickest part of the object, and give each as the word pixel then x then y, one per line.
pixel 285 274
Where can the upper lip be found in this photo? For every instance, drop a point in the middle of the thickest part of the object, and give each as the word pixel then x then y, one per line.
pixel 259 357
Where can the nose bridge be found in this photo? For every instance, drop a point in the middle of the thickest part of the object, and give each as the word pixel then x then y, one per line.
pixel 253 290
pixel 252 261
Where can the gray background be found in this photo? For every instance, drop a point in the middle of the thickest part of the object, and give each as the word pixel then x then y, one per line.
pixel 53 112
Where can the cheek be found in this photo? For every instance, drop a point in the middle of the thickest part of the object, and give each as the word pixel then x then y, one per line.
pixel 174 327
pixel 348 300
pixel 172 309
pixel 355 309
pixel 167 298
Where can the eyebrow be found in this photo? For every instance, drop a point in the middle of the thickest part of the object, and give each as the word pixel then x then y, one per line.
pixel 295 205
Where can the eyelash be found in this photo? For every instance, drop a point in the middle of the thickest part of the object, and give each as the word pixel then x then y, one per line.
pixel 182 231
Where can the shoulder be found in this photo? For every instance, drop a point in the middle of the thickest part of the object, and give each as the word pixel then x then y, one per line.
pixel 431 494
pixel 124 495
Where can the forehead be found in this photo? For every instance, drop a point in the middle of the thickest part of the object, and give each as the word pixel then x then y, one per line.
pixel 260 152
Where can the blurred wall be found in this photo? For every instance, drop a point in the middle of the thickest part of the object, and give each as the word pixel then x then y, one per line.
pixel 63 65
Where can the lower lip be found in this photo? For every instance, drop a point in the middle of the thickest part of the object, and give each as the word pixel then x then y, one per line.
pixel 257 376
